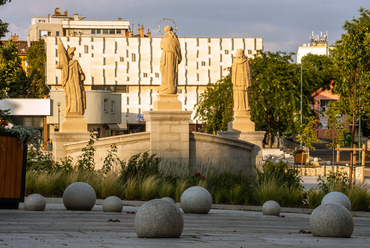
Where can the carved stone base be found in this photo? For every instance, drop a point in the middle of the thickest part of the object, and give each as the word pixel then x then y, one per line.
pixel 242 123
pixel 167 102
pixel 73 123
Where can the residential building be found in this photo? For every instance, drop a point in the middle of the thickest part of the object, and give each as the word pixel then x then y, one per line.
pixel 61 24
pixel 318 45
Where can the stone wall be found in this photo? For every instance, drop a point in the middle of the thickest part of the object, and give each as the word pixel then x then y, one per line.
pixel 205 151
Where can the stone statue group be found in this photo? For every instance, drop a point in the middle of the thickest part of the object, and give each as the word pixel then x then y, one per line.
pixel 73 76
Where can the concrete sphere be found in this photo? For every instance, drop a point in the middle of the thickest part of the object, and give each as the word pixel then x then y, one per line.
pixel 331 220
pixel 112 204
pixel 196 200
pixel 34 202
pixel 159 219
pixel 79 196
pixel 169 199
pixel 337 197
pixel 271 208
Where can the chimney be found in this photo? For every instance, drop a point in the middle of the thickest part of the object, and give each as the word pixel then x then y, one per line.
pixel 14 37
pixel 149 34
pixel 119 19
pixel 142 35
pixel 75 17
pixel 128 33
pixel 66 13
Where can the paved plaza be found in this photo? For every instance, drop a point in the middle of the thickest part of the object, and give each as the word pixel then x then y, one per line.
pixel 58 227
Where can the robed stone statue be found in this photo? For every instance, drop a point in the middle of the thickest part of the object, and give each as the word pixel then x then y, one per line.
pixel 72 81
pixel 241 78
pixel 170 59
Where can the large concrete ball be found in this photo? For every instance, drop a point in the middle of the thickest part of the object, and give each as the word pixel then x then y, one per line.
pixel 79 196
pixel 196 200
pixel 112 204
pixel 271 208
pixel 159 219
pixel 337 197
pixel 331 220
pixel 34 202
pixel 169 199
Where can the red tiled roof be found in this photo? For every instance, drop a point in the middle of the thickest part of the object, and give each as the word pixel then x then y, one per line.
pixel 22 46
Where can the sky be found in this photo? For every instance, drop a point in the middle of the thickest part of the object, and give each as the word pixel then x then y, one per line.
pixel 283 24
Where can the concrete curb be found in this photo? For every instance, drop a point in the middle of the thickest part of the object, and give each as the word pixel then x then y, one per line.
pixel 220 207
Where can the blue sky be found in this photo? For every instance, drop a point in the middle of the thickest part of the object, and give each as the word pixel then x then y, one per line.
pixel 284 25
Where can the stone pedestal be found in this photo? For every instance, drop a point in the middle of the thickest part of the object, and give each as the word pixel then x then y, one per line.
pixel 169 137
pixel 167 102
pixel 73 123
pixel 241 121
pixel 61 138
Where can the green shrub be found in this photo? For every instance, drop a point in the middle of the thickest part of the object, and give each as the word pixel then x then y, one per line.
pixel 314 197
pixel 359 197
pixel 130 188
pixel 268 189
pixel 148 187
pixel 235 194
pixel 180 188
pixel 291 197
pixel 280 172
pixel 140 165
pixel 166 189
pixel 335 181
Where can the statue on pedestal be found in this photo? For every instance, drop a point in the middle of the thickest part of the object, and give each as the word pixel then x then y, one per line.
pixel 72 81
pixel 241 78
pixel 170 59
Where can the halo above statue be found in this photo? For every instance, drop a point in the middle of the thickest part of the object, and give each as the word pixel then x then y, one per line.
pixel 166 19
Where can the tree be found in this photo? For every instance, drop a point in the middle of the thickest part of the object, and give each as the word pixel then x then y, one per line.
pixel 215 106
pixel 274 95
pixel 13 79
pixel 336 129
pixel 36 58
pixel 309 136
pixel 352 56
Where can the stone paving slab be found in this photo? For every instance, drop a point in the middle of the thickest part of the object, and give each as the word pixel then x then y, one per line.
pixel 58 227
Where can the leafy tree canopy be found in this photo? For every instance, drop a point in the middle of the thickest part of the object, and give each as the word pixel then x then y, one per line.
pixel 13 79
pixel 215 105
pixel 36 58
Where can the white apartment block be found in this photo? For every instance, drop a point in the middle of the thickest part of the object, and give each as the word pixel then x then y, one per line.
pixel 130 66
pixel 318 45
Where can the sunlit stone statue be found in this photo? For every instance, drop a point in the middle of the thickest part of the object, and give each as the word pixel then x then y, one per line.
pixel 241 78
pixel 72 81
pixel 170 59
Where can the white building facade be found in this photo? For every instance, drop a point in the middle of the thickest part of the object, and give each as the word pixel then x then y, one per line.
pixel 130 66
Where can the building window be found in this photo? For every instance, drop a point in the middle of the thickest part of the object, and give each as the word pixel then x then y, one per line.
pixel 57 33
pixel 93 31
pixel 112 106
pixel 121 59
pixel 112 31
pixel 156 74
pixel 118 31
pixel 128 79
pixel 226 51
pixel 133 56
pixel 249 51
pixel 203 63
pixel 105 105
pixel 145 74
pixel 86 48
pixel 98 31
pixel 105 31
pixel 42 21
pixel 103 61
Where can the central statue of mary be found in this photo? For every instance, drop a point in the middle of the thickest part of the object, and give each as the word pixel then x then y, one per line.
pixel 170 59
